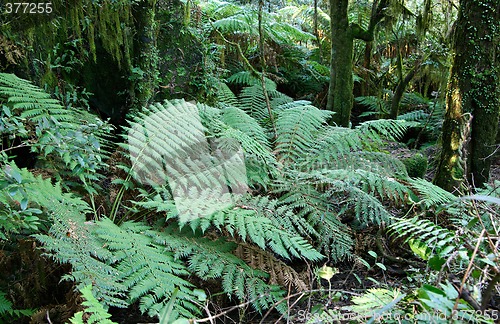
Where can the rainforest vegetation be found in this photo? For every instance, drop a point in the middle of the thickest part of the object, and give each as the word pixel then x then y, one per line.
pixel 253 161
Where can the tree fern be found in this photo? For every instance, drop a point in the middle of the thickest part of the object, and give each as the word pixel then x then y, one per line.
pixel 241 22
pixel 219 9
pixel 284 33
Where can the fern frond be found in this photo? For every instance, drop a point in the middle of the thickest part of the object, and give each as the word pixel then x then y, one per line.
pixel 219 9
pixel 225 95
pixel 432 195
pixel 242 22
pixel 240 120
pixel 66 138
pixel 246 224
pixel 284 33
pixel 431 235
pixel 252 100
pixel 375 301
pixel 148 272
pixel 244 78
pixel 416 115
pixel 209 259
pixel 99 315
pixel 297 130
pixel 376 105
pixel 313 216
pixel 387 128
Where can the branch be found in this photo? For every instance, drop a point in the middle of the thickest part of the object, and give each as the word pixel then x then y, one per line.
pixel 378 13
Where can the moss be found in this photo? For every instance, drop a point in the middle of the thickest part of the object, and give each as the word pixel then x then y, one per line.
pixel 416 165
pixel 49 79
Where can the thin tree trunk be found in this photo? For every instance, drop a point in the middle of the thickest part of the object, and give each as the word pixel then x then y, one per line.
pixel 263 67
pixel 400 90
pixel 316 33
pixel 340 92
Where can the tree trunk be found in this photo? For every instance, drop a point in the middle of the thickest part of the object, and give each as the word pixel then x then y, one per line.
pixel 474 91
pixel 400 90
pixel 147 57
pixel 316 33
pixel 340 96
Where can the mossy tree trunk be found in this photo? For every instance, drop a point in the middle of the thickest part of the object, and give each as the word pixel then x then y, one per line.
pixel 147 60
pixel 473 97
pixel 340 91
pixel 340 96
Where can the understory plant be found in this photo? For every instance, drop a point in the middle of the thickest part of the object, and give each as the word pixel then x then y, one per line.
pixel 212 199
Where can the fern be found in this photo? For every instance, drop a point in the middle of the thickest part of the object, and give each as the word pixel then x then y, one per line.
pixel 241 22
pixel 148 273
pixel 246 78
pixel 441 240
pixel 297 130
pixel 284 33
pixel 225 96
pixel 33 102
pixel 7 313
pixel 375 301
pixel 209 259
pixel 252 100
pixel 375 105
pixel 98 314
pixel 432 195
pixel 246 224
pixel 313 216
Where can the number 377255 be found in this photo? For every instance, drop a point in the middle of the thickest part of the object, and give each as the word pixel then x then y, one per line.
pixel 28 7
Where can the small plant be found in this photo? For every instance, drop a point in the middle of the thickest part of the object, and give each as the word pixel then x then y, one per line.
pixel 7 313
pixel 416 165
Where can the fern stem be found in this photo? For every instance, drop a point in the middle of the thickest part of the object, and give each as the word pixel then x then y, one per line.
pixel 263 67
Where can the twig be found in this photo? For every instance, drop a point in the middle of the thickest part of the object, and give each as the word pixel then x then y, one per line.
pixel 467 272
pixel 210 318
pixel 302 294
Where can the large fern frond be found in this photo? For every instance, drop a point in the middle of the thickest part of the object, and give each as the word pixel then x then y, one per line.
pixel 297 130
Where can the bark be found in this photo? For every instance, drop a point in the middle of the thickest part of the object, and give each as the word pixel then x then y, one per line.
pixel 400 90
pixel 340 96
pixel 316 33
pixel 340 93
pixel 147 57
pixel 473 91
